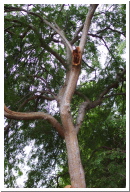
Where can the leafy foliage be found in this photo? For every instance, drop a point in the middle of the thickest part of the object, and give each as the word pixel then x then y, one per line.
pixel 35 59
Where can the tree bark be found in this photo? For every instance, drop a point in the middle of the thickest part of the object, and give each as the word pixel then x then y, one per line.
pixel 76 171
pixel 87 26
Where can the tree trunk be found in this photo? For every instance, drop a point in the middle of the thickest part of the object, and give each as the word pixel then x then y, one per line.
pixel 76 171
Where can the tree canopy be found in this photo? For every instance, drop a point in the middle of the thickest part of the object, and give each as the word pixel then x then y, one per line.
pixel 39 39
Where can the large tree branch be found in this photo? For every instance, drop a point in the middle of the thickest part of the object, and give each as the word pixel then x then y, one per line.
pixel 87 25
pixel 34 115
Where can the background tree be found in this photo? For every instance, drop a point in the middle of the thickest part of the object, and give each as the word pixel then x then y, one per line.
pixel 58 99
